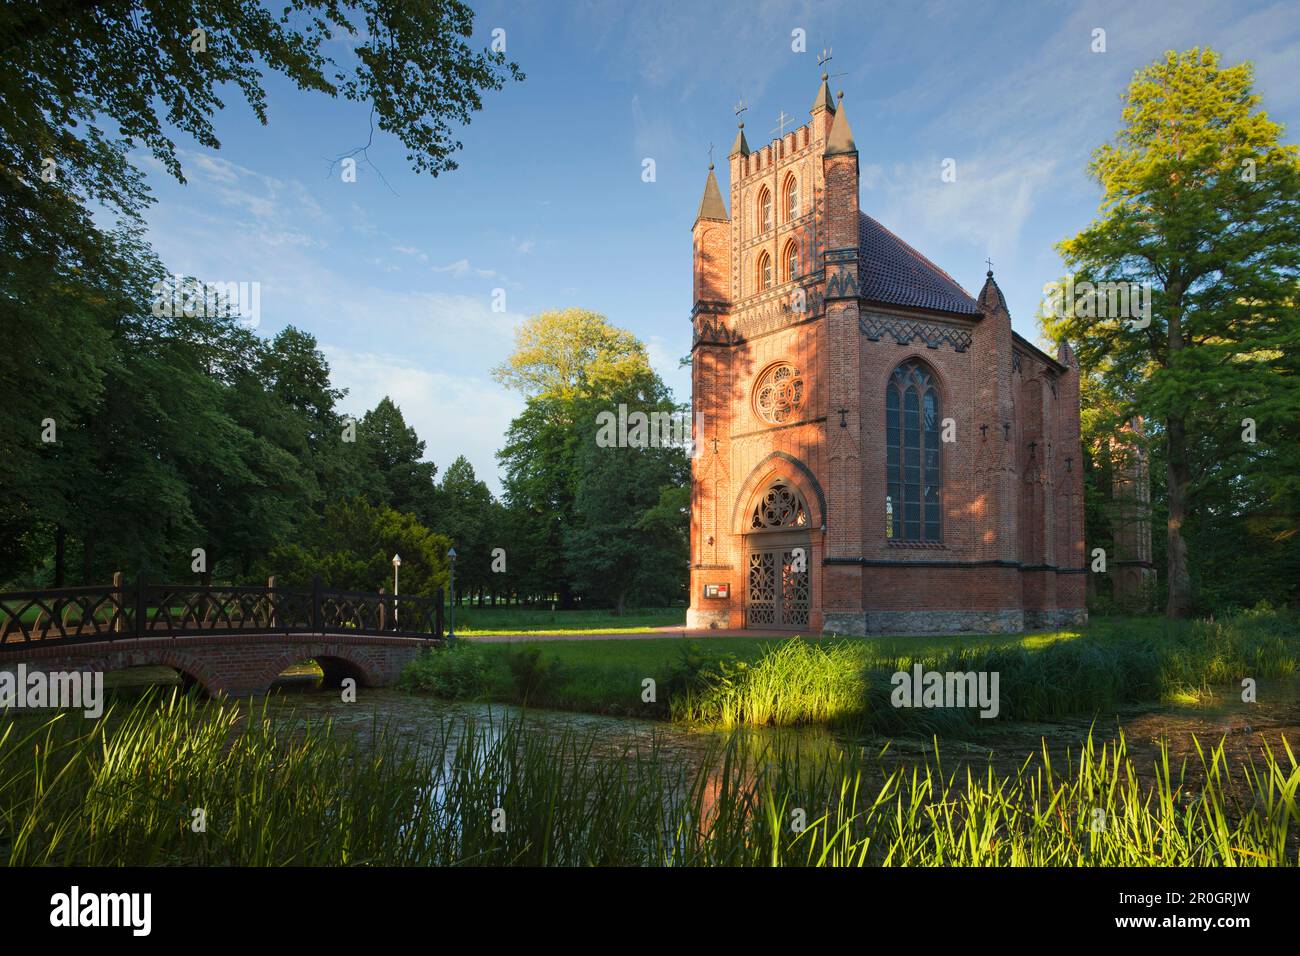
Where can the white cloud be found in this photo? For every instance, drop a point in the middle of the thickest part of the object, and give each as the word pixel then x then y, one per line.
pixel 454 414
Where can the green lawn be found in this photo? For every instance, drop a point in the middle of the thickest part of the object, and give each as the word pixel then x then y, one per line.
pixel 606 676
pixel 731 680
pixel 471 621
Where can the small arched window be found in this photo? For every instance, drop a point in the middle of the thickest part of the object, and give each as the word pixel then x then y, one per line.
pixel 764 271
pixel 790 262
pixel 913 468
pixel 790 198
pixel 764 209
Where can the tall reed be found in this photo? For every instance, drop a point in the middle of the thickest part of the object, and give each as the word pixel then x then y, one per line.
pixel 1088 672
pixel 123 791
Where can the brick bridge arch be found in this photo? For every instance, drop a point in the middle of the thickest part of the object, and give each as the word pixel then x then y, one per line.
pixel 235 664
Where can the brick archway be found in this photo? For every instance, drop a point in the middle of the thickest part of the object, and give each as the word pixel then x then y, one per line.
pixel 237 665
pixel 779 465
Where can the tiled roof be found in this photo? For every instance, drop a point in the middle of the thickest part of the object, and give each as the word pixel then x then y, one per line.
pixel 892 272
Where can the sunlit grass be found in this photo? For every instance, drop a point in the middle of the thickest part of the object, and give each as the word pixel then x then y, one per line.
pixel 122 791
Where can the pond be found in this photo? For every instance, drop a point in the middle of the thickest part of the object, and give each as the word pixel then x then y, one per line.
pixel 1245 729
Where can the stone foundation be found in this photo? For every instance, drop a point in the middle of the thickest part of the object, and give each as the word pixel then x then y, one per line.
pixel 925 622
pixel 1057 619
pixel 701 619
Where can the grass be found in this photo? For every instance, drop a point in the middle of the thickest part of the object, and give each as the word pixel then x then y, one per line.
pixel 777 681
pixel 472 621
pixel 122 791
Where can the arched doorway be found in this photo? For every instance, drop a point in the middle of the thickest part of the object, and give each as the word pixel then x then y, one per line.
pixel 778 585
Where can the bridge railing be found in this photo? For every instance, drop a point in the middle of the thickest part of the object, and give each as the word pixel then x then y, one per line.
pixel 122 611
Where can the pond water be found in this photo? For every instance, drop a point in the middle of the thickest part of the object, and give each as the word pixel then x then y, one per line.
pixel 1245 728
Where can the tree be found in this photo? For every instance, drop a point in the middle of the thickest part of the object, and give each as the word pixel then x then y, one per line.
pixel 631 505
pixel 571 354
pixel 352 548
pixel 1201 204
pixel 165 437
pixel 391 454
pixel 562 361
pixel 465 514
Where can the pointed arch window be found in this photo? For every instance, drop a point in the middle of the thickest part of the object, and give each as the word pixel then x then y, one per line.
pixel 790 262
pixel 913 468
pixel 790 198
pixel 764 209
pixel 764 271
pixel 780 508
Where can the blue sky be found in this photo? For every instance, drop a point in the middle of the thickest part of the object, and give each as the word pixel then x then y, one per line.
pixel 396 278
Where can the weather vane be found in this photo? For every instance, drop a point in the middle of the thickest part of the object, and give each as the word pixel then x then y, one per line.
pixel 710 156
pixel 822 59
pixel 740 107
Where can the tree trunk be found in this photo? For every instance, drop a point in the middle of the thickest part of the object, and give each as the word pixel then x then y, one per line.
pixel 1179 604
pixel 622 597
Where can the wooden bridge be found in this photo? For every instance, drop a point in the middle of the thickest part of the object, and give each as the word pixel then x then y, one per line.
pixel 232 640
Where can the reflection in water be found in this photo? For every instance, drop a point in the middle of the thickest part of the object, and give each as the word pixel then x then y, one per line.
pixel 1247 729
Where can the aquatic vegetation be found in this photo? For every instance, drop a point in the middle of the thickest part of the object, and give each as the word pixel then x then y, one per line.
pixel 274 791
pixel 1111 665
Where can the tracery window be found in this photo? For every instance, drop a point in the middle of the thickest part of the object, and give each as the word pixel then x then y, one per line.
pixel 912 460
pixel 780 508
pixel 779 394
pixel 764 209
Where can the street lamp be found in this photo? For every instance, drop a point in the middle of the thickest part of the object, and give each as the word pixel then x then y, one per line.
pixel 397 563
pixel 451 586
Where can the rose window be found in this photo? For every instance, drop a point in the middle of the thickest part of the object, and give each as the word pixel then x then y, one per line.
pixel 779 394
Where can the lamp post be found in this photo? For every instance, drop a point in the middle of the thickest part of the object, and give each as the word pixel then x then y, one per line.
pixel 397 563
pixel 451 587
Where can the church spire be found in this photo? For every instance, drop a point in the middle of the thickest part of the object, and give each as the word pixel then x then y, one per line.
pixel 822 101
pixel 841 138
pixel 740 146
pixel 712 206
pixel 990 298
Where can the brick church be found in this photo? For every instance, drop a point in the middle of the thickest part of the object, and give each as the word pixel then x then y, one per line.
pixel 879 452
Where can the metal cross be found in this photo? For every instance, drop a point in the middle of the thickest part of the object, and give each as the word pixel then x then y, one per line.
pixel 990 264
pixel 782 119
